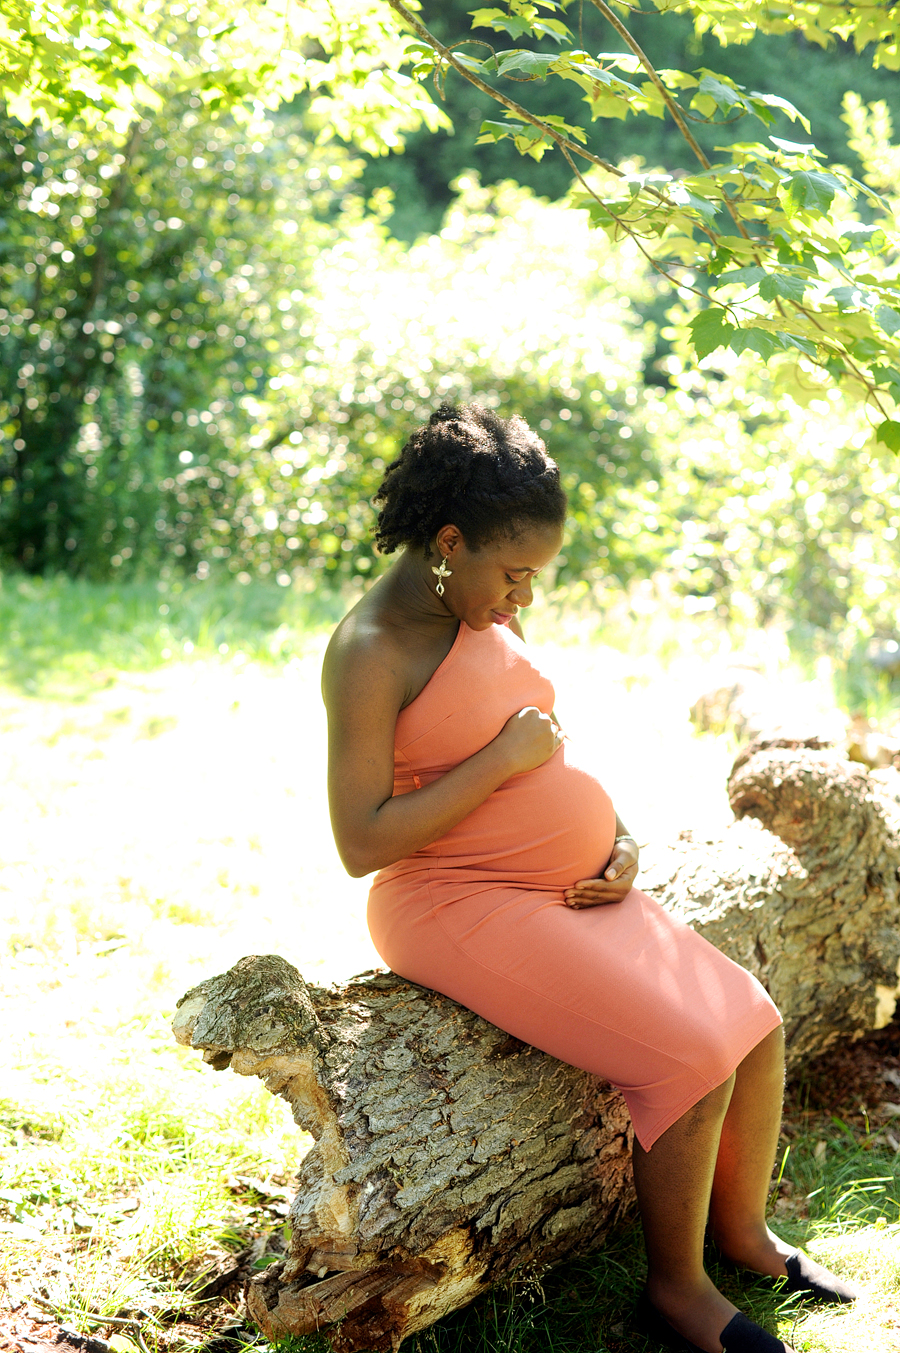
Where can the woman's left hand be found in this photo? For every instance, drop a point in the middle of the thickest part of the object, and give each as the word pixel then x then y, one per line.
pixel 614 884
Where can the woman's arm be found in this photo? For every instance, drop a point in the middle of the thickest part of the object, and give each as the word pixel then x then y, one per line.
pixel 364 683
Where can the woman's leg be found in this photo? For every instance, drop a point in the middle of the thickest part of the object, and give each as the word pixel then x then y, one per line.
pixel 674 1182
pixel 715 1161
pixel 743 1172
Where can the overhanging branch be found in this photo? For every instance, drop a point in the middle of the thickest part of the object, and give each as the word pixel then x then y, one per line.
pixel 448 55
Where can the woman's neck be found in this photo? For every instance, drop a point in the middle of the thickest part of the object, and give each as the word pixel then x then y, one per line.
pixel 407 597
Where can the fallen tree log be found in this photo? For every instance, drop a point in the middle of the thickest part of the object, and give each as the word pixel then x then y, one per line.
pixel 447 1153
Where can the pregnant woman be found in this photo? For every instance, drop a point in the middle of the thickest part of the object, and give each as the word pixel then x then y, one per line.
pixel 506 880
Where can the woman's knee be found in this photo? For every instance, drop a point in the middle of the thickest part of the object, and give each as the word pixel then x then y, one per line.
pixel 709 1110
pixel 766 1058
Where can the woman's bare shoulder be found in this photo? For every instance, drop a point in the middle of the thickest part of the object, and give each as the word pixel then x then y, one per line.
pixel 365 648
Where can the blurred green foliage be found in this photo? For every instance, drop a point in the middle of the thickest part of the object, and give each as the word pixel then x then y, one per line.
pixel 216 390
pixel 212 346
pixel 771 510
pixel 518 304
pixel 145 291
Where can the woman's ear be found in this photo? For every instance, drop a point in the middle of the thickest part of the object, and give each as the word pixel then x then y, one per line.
pixel 448 540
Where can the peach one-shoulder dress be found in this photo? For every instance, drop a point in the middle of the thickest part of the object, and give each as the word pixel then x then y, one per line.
pixel 625 990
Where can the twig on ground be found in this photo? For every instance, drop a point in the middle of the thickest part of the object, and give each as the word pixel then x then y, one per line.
pixel 122 1322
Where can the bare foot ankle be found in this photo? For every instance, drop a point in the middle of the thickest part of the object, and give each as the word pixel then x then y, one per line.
pixel 697 1312
pixel 759 1250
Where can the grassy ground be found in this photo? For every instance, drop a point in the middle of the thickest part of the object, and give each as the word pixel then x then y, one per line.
pixel 163 810
pixel 64 637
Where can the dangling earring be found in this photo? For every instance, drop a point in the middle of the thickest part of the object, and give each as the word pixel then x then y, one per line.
pixel 442 573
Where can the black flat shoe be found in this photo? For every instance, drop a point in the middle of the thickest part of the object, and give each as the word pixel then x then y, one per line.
pixel 805 1275
pixel 740 1335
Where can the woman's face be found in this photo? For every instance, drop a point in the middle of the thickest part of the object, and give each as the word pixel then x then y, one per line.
pixel 491 584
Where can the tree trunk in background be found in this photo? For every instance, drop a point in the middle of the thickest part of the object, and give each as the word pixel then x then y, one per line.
pixel 802 890
pixel 448 1153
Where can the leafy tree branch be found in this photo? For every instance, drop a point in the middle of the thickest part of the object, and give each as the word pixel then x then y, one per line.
pixel 816 247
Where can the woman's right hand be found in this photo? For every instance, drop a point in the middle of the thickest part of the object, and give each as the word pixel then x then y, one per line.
pixel 529 739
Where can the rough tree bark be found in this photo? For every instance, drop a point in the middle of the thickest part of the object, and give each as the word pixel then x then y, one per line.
pixel 447 1153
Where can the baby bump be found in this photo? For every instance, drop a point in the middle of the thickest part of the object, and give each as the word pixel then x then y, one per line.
pixel 545 829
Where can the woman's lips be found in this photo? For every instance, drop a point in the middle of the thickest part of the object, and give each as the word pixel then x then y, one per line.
pixel 501 617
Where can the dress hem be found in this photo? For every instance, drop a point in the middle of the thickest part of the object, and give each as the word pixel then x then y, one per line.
pixel 688 1103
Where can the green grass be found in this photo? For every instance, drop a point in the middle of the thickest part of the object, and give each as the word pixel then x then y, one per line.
pixel 76 1181
pixel 61 636
pixel 122 1178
